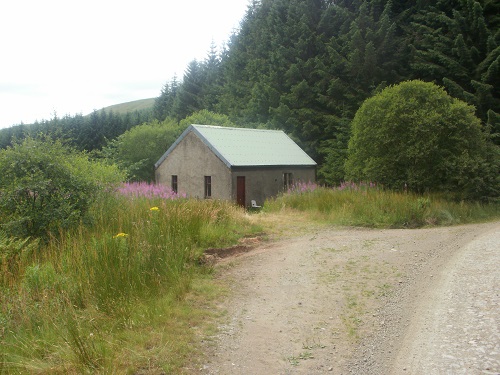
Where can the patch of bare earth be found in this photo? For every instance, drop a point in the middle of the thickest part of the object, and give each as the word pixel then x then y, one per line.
pixel 327 300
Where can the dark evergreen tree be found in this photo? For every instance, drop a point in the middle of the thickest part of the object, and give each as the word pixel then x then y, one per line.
pixel 93 135
pixel 455 43
pixel 211 84
pixel 164 104
pixel 188 96
pixel 305 66
pixel 235 75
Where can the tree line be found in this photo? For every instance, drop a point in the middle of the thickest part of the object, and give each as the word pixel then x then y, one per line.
pixel 306 66
pixel 89 133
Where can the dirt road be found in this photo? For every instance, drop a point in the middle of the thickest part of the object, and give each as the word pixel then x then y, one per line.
pixel 457 329
pixel 362 301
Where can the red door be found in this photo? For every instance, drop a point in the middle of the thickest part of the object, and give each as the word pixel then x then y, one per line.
pixel 240 190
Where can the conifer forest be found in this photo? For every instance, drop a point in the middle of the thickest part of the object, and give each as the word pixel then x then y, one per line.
pixel 306 66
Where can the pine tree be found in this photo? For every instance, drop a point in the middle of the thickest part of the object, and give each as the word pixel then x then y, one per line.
pixel 188 99
pixel 164 103
pixel 454 45
pixel 210 87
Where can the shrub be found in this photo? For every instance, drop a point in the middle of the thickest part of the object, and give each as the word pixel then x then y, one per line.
pixel 415 135
pixel 138 149
pixel 205 117
pixel 46 186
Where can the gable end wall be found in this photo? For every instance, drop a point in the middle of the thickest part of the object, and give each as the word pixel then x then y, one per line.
pixel 190 161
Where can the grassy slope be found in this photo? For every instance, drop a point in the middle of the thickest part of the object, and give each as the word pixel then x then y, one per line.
pixel 132 106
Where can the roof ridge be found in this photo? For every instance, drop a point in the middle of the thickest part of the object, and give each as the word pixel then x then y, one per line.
pixel 236 128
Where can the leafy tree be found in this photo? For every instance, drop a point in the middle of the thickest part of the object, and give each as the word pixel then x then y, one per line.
pixel 137 150
pixel 205 117
pixel 46 186
pixel 415 135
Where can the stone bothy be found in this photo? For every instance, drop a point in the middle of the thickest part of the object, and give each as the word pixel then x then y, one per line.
pixel 238 164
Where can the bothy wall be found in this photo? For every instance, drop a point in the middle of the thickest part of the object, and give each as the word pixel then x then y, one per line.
pixel 265 182
pixel 190 161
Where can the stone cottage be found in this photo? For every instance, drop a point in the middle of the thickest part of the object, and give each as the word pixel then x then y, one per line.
pixel 238 164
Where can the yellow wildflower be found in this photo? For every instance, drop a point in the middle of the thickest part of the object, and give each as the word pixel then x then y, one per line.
pixel 121 235
pixel 154 209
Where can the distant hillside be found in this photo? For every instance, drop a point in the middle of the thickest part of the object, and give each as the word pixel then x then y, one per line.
pixel 133 106
pixel 89 132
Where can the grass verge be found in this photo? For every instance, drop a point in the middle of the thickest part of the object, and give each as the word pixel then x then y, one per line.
pixel 375 207
pixel 126 293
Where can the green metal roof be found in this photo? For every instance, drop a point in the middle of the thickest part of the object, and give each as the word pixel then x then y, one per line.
pixel 238 147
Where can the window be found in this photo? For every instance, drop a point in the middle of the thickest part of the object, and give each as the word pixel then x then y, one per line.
pixel 208 186
pixel 174 183
pixel 287 181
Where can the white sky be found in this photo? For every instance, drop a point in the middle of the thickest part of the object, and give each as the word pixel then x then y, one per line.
pixel 74 56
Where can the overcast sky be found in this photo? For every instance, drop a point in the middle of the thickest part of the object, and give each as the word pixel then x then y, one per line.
pixel 75 56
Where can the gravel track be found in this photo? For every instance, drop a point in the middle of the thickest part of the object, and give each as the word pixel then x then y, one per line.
pixel 457 331
pixel 362 301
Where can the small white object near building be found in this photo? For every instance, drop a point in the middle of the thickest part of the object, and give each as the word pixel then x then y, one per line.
pixel 254 204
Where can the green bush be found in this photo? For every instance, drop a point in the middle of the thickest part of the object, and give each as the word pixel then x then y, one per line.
pixel 414 135
pixel 46 186
pixel 138 149
pixel 205 117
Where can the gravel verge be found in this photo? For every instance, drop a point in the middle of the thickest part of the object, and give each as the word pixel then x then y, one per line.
pixel 345 301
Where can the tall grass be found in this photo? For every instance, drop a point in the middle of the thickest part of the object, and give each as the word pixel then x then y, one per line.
pixel 110 296
pixel 372 206
pixel 65 305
